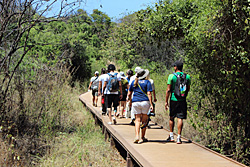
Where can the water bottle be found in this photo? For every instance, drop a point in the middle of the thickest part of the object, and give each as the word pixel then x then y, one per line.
pixel 150 113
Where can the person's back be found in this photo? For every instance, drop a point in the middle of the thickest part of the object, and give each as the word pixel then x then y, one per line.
pixel 102 77
pixel 107 78
pixel 95 82
pixel 101 91
pixel 178 105
pixel 172 81
pixel 124 84
pixel 141 102
pixel 140 92
pixel 112 94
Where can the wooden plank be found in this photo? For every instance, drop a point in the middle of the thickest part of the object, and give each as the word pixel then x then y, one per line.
pixel 157 152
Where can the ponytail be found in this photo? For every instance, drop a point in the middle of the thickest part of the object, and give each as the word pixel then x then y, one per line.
pixel 136 82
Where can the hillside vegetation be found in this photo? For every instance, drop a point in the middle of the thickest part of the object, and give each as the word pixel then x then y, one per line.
pixel 47 62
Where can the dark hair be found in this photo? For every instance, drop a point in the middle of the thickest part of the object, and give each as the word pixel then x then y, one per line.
pixel 111 67
pixel 179 65
pixel 103 71
pixel 130 72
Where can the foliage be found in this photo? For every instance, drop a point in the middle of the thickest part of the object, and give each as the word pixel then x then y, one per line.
pixel 214 37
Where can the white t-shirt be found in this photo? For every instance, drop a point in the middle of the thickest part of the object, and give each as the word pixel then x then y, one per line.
pixel 101 78
pixel 131 79
pixel 95 81
pixel 152 84
pixel 106 79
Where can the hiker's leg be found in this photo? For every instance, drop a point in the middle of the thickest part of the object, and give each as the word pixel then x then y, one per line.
pixel 96 100
pixel 123 104
pixel 93 99
pixel 109 112
pixel 137 125
pixel 171 124
pixel 144 120
pixel 115 103
pixel 109 106
pixel 179 125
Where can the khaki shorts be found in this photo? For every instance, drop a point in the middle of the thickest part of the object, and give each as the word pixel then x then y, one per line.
pixel 140 107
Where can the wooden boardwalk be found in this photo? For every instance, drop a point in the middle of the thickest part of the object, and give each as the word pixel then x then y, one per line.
pixel 156 152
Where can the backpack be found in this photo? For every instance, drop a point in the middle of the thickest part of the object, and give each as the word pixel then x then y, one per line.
pixel 180 90
pixel 113 84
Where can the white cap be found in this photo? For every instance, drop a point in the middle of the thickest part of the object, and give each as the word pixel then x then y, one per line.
pixel 137 68
pixel 122 74
pixel 96 72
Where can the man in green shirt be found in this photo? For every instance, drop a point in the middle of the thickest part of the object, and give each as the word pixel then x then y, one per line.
pixel 178 106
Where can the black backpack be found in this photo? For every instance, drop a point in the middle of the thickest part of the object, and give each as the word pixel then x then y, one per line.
pixel 180 90
pixel 113 84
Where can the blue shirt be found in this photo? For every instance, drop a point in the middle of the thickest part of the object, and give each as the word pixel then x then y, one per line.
pixel 139 95
pixel 128 79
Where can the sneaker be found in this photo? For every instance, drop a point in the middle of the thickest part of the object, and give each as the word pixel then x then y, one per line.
pixel 96 105
pixel 103 113
pixel 136 140
pixel 110 123
pixel 117 115
pixel 140 141
pixel 145 139
pixel 93 104
pixel 132 123
pixel 114 120
pixel 170 139
pixel 179 141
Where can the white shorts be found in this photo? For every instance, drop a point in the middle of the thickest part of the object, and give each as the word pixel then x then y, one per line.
pixel 140 107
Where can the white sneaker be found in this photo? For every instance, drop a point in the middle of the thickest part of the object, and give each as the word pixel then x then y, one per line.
pixel 110 123
pixel 114 120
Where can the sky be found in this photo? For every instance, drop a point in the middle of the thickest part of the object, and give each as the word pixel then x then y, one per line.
pixel 115 9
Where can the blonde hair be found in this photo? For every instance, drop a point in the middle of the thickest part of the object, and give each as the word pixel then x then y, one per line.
pixel 136 82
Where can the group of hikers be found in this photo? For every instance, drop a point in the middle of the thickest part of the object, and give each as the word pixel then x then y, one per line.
pixel 133 96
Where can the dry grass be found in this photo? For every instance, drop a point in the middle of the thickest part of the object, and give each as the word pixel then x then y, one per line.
pixel 85 146
pixel 50 127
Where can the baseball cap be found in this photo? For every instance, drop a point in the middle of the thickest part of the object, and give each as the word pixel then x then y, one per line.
pixel 96 72
pixel 122 74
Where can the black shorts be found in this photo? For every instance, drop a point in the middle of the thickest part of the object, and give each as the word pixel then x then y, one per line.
pixel 124 96
pixel 112 99
pixel 95 92
pixel 178 109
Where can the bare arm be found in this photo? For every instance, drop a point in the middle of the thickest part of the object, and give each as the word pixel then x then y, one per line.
pixel 90 85
pixel 155 100
pixel 104 87
pixel 168 92
pixel 120 87
pixel 129 99
pixel 99 88
pixel 150 100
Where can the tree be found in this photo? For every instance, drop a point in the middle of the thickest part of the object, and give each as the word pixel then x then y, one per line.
pixel 17 20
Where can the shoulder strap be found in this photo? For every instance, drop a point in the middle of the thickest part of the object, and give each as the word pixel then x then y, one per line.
pixel 95 79
pixel 115 74
pixel 141 89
